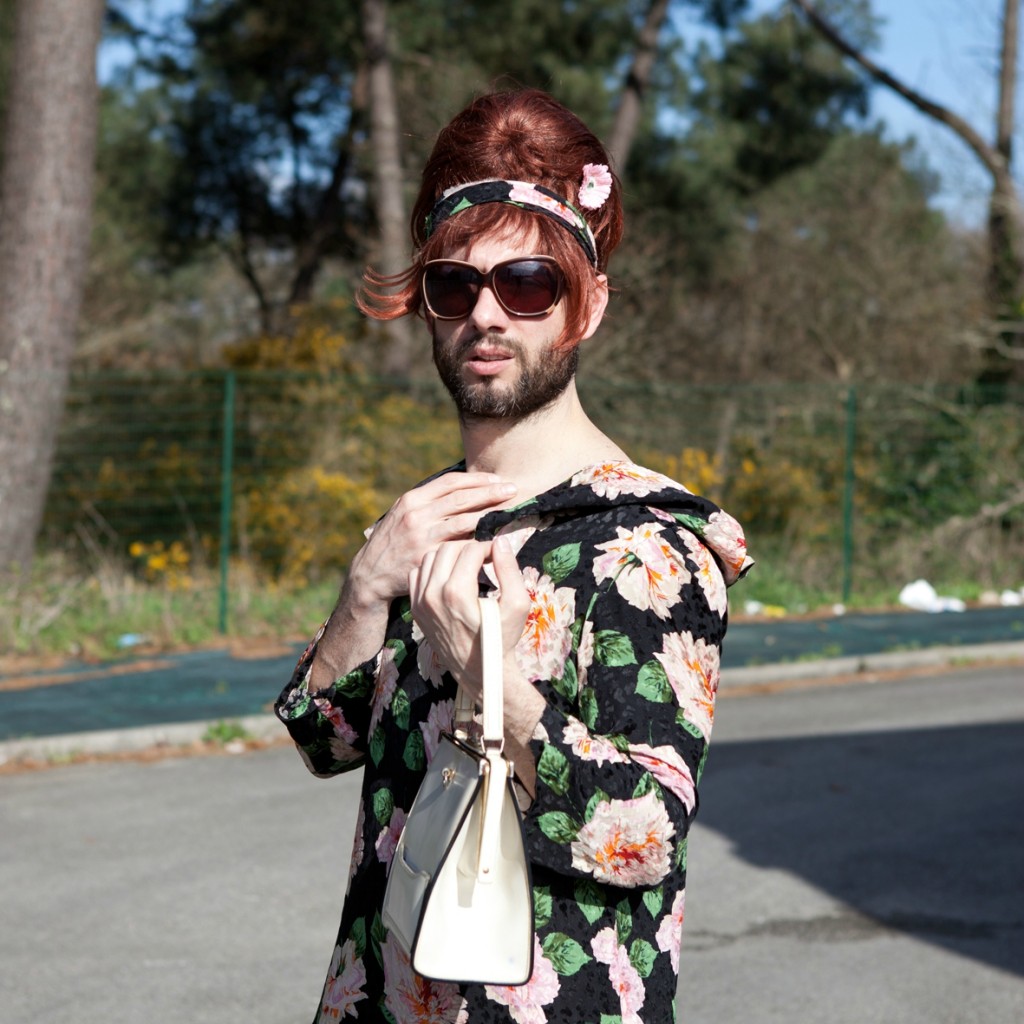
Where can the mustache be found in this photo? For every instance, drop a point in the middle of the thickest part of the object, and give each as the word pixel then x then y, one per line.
pixel 501 341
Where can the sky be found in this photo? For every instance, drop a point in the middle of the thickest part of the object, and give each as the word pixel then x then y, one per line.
pixel 947 50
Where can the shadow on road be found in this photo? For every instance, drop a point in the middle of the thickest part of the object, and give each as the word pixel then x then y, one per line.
pixel 921 831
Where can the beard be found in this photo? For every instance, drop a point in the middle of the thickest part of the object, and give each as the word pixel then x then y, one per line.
pixel 539 383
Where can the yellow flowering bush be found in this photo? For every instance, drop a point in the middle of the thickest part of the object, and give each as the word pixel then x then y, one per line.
pixel 165 564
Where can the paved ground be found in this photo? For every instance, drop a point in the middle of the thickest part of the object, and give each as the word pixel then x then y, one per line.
pixel 856 861
pixel 214 685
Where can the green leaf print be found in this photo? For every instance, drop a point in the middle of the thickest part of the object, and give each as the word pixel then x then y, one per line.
pixel 398 646
pixel 613 649
pixel 541 906
pixel 610 1018
pixel 378 933
pixel 623 922
pixel 558 826
pixel 553 770
pixel 377 744
pixel 356 683
pixel 576 629
pixel 645 785
pixel 385 1013
pixel 567 956
pixel 590 899
pixel 654 900
pixel 652 683
pixel 383 806
pixel 588 707
pixel 560 562
pixel 697 525
pixel 684 723
pixel 681 855
pixel 358 935
pixel 415 756
pixel 567 684
pixel 642 956
pixel 703 760
pixel 599 796
pixel 400 709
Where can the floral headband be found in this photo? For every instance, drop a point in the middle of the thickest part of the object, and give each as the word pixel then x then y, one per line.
pixel 594 190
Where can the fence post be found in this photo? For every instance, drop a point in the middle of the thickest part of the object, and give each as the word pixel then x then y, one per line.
pixel 226 490
pixel 848 488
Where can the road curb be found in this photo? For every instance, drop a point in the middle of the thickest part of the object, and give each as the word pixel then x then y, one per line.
pixel 887 661
pixel 119 741
pixel 267 727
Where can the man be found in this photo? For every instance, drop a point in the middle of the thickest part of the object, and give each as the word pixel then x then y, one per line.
pixel 611 584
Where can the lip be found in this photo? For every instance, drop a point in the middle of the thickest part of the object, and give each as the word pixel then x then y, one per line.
pixel 486 362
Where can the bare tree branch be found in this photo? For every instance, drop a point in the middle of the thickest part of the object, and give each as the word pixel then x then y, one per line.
pixel 995 162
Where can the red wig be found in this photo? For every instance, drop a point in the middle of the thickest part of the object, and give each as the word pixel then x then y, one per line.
pixel 523 135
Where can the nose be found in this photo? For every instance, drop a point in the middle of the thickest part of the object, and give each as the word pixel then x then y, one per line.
pixel 488 313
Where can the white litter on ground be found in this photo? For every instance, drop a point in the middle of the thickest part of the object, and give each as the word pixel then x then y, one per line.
pixel 921 596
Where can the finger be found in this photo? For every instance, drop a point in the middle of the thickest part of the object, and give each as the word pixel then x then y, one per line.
pixel 512 594
pixel 450 486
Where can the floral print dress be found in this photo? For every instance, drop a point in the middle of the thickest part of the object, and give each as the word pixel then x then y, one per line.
pixel 627 573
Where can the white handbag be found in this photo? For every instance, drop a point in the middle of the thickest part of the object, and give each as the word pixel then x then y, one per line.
pixel 458 896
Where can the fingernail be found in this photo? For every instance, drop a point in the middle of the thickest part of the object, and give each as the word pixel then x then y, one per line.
pixel 509 489
pixel 503 543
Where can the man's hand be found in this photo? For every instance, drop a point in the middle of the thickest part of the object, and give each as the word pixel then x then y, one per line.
pixel 443 510
pixel 444 591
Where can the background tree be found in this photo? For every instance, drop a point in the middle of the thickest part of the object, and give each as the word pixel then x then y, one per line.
pixel 45 202
pixel 1005 211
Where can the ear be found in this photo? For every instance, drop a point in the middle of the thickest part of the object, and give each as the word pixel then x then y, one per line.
pixel 598 304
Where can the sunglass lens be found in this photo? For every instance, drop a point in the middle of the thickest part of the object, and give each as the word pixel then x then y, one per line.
pixel 451 289
pixel 527 287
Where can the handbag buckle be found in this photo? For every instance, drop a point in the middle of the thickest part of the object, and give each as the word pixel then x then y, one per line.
pixel 447 776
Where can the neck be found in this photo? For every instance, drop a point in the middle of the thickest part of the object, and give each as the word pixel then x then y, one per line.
pixel 538 451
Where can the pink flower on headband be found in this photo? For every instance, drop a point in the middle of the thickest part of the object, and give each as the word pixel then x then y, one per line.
pixel 596 186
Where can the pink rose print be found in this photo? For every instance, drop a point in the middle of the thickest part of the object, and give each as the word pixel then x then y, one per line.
pixel 358 844
pixel 546 640
pixel 427 661
pixel 414 1000
pixel 670 931
pixel 692 667
pixel 648 572
pixel 665 764
pixel 333 715
pixel 709 576
pixel 387 841
pixel 344 987
pixel 525 1002
pixel 725 536
pixel 626 843
pixel 440 718
pixel 384 686
pixel 623 975
pixel 589 747
pixel 612 479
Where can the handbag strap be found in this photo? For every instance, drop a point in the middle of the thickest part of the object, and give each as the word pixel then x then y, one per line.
pixel 493 700
pixel 497 770
pixel 491 654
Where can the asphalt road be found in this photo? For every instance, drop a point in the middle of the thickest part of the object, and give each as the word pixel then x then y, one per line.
pixel 857 859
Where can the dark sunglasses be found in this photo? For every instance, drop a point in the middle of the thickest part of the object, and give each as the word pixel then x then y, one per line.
pixel 524 286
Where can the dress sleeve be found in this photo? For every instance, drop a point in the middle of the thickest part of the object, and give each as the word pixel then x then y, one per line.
pixel 329 726
pixel 620 747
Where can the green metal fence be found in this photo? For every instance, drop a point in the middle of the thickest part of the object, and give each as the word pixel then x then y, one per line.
pixel 844 485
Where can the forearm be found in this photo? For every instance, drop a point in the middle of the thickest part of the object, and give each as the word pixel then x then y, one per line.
pixel 353 635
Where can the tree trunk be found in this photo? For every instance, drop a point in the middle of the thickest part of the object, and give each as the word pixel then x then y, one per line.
pixel 627 117
pixel 387 163
pixel 45 208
